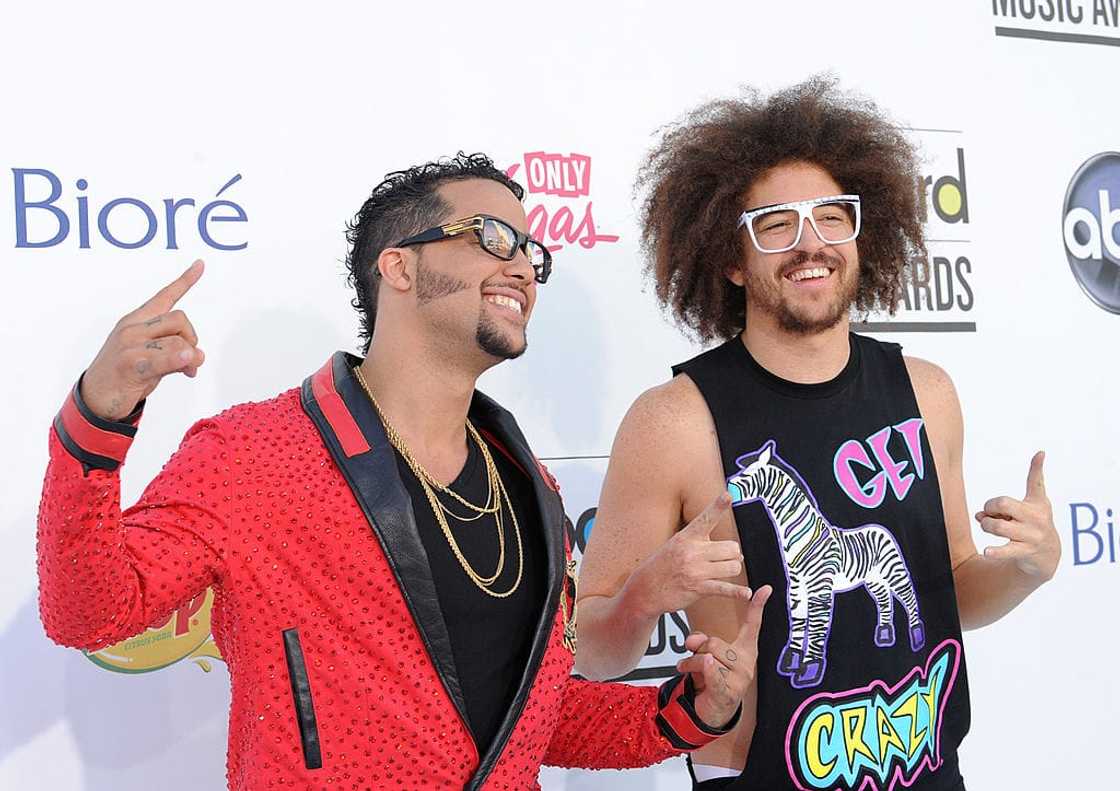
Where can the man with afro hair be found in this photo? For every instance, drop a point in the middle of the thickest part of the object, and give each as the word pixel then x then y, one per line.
pixel 799 454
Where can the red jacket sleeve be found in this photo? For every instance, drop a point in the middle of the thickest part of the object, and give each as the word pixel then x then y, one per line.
pixel 105 575
pixel 618 726
pixel 607 726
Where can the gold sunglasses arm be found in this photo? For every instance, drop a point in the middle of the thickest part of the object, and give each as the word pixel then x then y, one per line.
pixel 461 226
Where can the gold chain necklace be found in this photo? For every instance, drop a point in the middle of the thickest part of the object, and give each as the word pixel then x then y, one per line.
pixel 497 497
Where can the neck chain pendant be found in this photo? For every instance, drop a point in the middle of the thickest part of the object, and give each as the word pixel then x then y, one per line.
pixel 568 611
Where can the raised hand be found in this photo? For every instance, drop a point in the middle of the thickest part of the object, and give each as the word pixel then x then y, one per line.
pixel 722 672
pixel 146 345
pixel 691 565
pixel 1028 526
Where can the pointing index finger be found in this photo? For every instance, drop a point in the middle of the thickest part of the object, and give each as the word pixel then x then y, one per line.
pixel 748 632
pixel 706 521
pixel 165 299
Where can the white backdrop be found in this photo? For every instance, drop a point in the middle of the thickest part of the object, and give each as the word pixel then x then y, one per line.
pixel 158 102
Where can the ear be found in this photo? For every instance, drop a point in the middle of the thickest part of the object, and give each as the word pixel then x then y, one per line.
pixel 735 275
pixel 396 267
pixel 767 452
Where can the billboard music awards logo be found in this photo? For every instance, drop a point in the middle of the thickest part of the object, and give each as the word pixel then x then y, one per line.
pixel 561 212
pixel 1068 21
pixel 1090 225
pixel 185 635
pixel 49 212
pixel 939 296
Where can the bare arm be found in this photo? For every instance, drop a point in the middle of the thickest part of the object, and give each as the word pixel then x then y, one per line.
pixel 639 563
pixel 991 584
pixel 638 511
pixel 665 471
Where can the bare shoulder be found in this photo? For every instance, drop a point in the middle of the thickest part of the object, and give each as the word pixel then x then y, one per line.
pixel 671 416
pixel 664 458
pixel 933 386
pixel 668 436
pixel 668 405
pixel 938 403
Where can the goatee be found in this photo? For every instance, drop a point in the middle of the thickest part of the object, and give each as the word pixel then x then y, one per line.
pixel 497 343
pixel 768 297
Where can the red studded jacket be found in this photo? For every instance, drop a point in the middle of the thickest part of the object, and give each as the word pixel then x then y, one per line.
pixel 325 609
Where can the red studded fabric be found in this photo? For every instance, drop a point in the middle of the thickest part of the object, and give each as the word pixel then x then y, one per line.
pixel 253 505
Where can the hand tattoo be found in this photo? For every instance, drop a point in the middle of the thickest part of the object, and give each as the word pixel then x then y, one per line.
pixel 153 345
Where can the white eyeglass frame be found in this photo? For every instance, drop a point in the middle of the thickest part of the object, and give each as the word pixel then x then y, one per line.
pixel 804 210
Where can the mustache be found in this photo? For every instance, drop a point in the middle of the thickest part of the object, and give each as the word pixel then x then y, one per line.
pixel 516 285
pixel 800 258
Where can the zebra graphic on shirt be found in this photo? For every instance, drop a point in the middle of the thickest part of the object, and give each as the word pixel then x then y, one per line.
pixel 822 560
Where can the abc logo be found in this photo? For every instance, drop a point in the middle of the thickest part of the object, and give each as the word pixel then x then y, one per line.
pixel 1090 221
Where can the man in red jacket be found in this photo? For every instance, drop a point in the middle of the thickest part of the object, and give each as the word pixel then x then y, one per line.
pixel 394 594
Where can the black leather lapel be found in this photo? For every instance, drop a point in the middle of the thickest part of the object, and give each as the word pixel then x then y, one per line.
pixel 499 422
pixel 377 486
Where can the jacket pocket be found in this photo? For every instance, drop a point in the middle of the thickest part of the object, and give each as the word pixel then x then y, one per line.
pixel 301 697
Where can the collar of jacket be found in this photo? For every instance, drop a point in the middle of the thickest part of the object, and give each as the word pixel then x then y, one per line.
pixel 355 437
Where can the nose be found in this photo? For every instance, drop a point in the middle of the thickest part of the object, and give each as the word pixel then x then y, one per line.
pixel 519 268
pixel 809 242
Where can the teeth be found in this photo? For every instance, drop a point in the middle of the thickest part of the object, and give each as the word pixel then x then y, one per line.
pixel 805 274
pixel 504 301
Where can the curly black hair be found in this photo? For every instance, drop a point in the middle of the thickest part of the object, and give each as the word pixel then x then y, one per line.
pixel 405 203
pixel 697 174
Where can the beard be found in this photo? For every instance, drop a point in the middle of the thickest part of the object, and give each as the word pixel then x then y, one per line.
pixel 763 294
pixel 492 340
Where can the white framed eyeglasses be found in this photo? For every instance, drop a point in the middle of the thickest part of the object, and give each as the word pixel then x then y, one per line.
pixel 775 229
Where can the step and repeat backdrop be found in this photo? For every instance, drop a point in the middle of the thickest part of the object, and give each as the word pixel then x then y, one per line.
pixel 139 137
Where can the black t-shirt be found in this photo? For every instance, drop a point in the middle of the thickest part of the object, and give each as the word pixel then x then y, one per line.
pixel 490 637
pixel 861 672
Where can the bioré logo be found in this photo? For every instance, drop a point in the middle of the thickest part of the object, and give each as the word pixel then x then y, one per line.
pixel 47 214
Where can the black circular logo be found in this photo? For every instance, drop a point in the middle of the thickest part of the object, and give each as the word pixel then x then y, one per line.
pixel 1090 224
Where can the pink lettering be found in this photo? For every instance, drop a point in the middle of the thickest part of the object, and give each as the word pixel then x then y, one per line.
pixel 588 237
pixel 888 471
pixel 563 175
pixel 561 225
pixel 557 230
pixel 872 493
pixel 581 170
pixel 911 431
pixel 900 483
pixel 538 223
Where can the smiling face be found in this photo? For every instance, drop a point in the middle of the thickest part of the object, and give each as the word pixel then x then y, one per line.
pixel 465 294
pixel 810 288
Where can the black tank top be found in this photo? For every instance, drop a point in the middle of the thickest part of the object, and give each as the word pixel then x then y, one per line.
pixel 861 674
